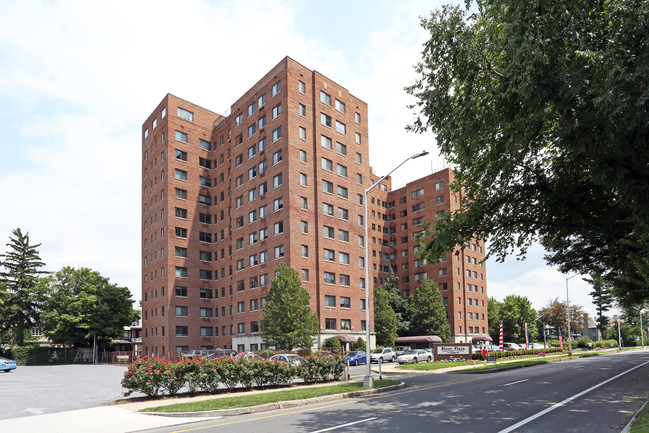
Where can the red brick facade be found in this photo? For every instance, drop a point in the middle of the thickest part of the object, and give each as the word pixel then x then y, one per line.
pixel 226 198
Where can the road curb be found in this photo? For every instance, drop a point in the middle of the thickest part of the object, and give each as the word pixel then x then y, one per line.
pixel 275 406
pixel 627 428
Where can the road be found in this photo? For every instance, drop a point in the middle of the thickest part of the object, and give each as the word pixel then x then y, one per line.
pixel 595 394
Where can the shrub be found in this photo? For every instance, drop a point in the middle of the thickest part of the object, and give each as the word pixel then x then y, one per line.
pixel 360 344
pixel 582 342
pixel 208 377
pixel 331 344
pixel 321 368
pixel 145 375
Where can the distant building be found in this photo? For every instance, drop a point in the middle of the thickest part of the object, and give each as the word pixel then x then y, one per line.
pixel 281 177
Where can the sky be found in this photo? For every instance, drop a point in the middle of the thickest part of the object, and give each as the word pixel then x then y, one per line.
pixel 78 79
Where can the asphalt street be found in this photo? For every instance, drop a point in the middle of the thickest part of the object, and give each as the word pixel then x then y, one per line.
pixel 595 394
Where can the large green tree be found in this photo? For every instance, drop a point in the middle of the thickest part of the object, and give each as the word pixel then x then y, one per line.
pixel 399 304
pixel 542 110
pixel 83 306
pixel 287 320
pixel 514 312
pixel 428 313
pixel 21 296
pixel 385 319
pixel 602 298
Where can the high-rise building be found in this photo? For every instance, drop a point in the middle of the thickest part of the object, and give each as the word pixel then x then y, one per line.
pixel 279 178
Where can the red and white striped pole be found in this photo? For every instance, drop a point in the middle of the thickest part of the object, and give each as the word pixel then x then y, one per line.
pixel 501 336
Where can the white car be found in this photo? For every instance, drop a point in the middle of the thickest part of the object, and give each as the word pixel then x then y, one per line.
pixel 512 346
pixel 414 356
pixel 383 355
pixel 289 358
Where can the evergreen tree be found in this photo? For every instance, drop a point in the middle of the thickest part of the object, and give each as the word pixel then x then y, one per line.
pixel 602 298
pixel 385 319
pixel 428 312
pixel 400 305
pixel 21 296
pixel 287 320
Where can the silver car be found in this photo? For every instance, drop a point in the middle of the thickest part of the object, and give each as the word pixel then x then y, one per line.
pixel 414 356
pixel 383 355
pixel 289 358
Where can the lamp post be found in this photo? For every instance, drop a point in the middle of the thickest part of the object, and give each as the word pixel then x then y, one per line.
pixel 368 380
pixel 568 311
pixel 641 330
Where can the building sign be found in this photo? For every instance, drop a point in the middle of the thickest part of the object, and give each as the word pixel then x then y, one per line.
pixel 450 351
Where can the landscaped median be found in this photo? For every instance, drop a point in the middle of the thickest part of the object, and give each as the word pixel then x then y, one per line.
pixel 263 402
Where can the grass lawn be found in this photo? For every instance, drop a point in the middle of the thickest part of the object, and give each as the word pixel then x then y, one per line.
pixel 641 423
pixel 432 365
pixel 269 397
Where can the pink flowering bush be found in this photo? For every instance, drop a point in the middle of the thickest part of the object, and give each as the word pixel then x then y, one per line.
pixel 322 367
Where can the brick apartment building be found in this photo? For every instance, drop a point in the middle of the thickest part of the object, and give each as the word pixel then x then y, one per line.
pixel 280 178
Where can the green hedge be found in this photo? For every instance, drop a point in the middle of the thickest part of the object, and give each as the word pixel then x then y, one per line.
pixel 157 376
pixel 36 355
pixel 515 353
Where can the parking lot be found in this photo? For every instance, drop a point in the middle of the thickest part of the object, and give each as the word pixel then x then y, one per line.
pixel 36 390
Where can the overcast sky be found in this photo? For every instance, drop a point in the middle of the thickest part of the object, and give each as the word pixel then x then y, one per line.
pixel 78 79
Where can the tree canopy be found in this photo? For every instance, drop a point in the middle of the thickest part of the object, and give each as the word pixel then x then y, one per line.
pixel 287 320
pixel 514 312
pixel 555 316
pixel 83 305
pixel 21 296
pixel 400 305
pixel 385 319
pixel 543 113
pixel 428 312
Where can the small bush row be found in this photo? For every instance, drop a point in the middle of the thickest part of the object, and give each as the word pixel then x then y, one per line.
pixel 158 376
pixel 515 353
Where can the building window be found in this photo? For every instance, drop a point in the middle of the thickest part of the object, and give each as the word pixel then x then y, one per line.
pixel 325 120
pixel 439 185
pixel 329 278
pixel 278 204
pixel 181 156
pixel 301 87
pixel 341 127
pixel 277 180
pixel 341 148
pixel 184 114
pixel 206 313
pixel 181 291
pixel 181 136
pixel 343 235
pixel 277 157
pixel 279 251
pixel 340 106
pixel 181 311
pixel 358 138
pixel 330 323
pixel 327 209
pixel 182 331
pixel 343 213
pixel 303 179
pixel 303 156
pixel 342 192
pixel 341 170
pixel 343 258
pixel 326 142
pixel 277 110
pixel 302 133
pixel 325 98
pixel 329 255
pixel 305 251
pixel 305 275
pixel 202 144
pixel 417 194
pixel 261 101
pixel 181 175
pixel 277 134
pixel 181 213
pixel 327 164
pixel 359 158
pixel 344 280
pixel 327 187
pixel 439 200
pixel 328 232
pixel 330 301
pixel 345 324
pixel 277 87
pixel 357 117
pixel 302 110
pixel 304 204
pixel 181 232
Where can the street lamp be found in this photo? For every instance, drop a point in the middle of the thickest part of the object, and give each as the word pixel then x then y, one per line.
pixel 368 380
pixel 568 310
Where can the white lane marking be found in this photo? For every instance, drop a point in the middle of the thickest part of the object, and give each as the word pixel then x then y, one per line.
pixel 518 381
pixel 345 425
pixel 568 400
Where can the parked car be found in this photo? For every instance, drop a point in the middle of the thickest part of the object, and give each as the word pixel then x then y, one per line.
pixel 194 353
pixel 247 355
pixel 289 358
pixel 540 346
pixel 414 356
pixel 356 357
pixel 383 355
pixel 512 346
pixel 222 353
pixel 400 350
pixel 7 365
